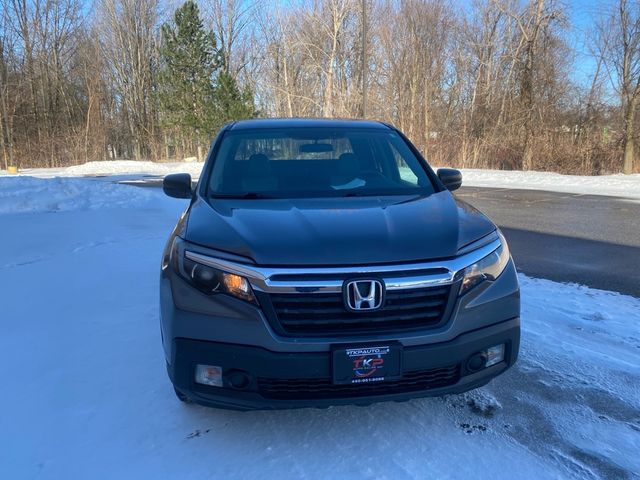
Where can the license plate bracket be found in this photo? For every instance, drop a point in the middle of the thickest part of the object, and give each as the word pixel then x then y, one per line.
pixel 365 364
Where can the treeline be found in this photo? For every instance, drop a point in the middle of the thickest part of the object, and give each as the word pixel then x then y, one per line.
pixel 496 83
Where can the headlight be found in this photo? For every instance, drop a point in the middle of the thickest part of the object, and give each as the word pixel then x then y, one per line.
pixel 489 268
pixel 210 280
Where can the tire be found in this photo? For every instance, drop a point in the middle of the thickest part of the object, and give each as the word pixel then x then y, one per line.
pixel 181 396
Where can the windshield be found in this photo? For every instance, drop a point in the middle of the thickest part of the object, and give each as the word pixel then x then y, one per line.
pixel 316 162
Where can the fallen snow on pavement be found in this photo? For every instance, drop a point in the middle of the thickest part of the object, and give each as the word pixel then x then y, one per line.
pixel 618 185
pixel 86 393
pixel 28 194
pixel 116 167
pixel 627 186
pixel 131 166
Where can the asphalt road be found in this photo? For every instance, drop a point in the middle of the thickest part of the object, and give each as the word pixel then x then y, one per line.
pixel 587 239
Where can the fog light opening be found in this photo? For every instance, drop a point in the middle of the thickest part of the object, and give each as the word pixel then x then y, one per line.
pixel 486 358
pixel 210 375
pixel 476 362
pixel 238 379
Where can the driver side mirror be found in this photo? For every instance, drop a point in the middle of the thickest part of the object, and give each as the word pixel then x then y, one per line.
pixel 177 185
pixel 451 178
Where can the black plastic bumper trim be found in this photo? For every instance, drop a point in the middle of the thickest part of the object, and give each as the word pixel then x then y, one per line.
pixel 258 362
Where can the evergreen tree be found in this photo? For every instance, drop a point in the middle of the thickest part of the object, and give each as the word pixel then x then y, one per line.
pixel 232 103
pixel 189 62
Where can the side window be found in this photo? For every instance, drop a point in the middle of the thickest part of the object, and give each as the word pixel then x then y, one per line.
pixel 404 170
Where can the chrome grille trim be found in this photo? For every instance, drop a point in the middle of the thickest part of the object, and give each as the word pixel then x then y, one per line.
pixel 261 277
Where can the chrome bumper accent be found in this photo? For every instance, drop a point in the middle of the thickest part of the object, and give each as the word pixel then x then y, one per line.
pixel 396 277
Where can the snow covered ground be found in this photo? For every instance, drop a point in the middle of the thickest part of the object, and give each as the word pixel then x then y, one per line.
pixel 85 393
pixel 115 167
pixel 619 185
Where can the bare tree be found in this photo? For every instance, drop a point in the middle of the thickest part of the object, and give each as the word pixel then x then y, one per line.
pixel 489 85
pixel 533 23
pixel 7 106
pixel 46 34
pixel 230 21
pixel 620 39
pixel 307 51
pixel 418 46
pixel 129 44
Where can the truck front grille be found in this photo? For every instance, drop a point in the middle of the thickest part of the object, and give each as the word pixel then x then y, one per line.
pixel 325 313
pixel 320 388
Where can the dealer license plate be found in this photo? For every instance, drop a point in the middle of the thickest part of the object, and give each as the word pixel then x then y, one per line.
pixel 367 364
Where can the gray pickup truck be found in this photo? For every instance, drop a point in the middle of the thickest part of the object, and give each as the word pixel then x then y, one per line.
pixel 323 262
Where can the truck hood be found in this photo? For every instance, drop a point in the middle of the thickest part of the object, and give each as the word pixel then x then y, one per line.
pixel 337 231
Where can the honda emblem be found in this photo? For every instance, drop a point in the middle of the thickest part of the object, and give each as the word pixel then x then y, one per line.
pixel 363 295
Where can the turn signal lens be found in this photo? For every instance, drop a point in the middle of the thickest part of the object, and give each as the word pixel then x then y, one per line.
pixel 238 287
pixel 209 375
pixel 210 280
pixel 495 355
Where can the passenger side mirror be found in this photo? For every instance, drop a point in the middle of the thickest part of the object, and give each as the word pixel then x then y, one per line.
pixel 177 185
pixel 451 178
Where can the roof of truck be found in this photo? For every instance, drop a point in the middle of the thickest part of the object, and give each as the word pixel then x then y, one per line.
pixel 259 123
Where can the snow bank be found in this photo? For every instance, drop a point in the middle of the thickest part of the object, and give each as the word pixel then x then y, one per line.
pixel 619 185
pixel 118 167
pixel 37 195
pixel 115 168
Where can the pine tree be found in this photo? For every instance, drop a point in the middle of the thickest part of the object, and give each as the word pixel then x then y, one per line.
pixel 232 103
pixel 189 62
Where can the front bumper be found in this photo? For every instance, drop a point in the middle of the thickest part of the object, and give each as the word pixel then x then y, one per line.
pixel 303 379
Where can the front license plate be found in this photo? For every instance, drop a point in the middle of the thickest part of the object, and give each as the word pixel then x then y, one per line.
pixel 367 364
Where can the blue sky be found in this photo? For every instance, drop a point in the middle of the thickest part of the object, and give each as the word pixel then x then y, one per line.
pixel 582 15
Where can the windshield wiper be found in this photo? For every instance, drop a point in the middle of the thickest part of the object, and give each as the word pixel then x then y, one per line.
pixel 376 193
pixel 356 193
pixel 247 195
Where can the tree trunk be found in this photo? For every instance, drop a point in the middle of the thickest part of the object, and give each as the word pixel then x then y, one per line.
pixel 527 88
pixel 7 135
pixel 328 90
pixel 287 88
pixel 629 136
